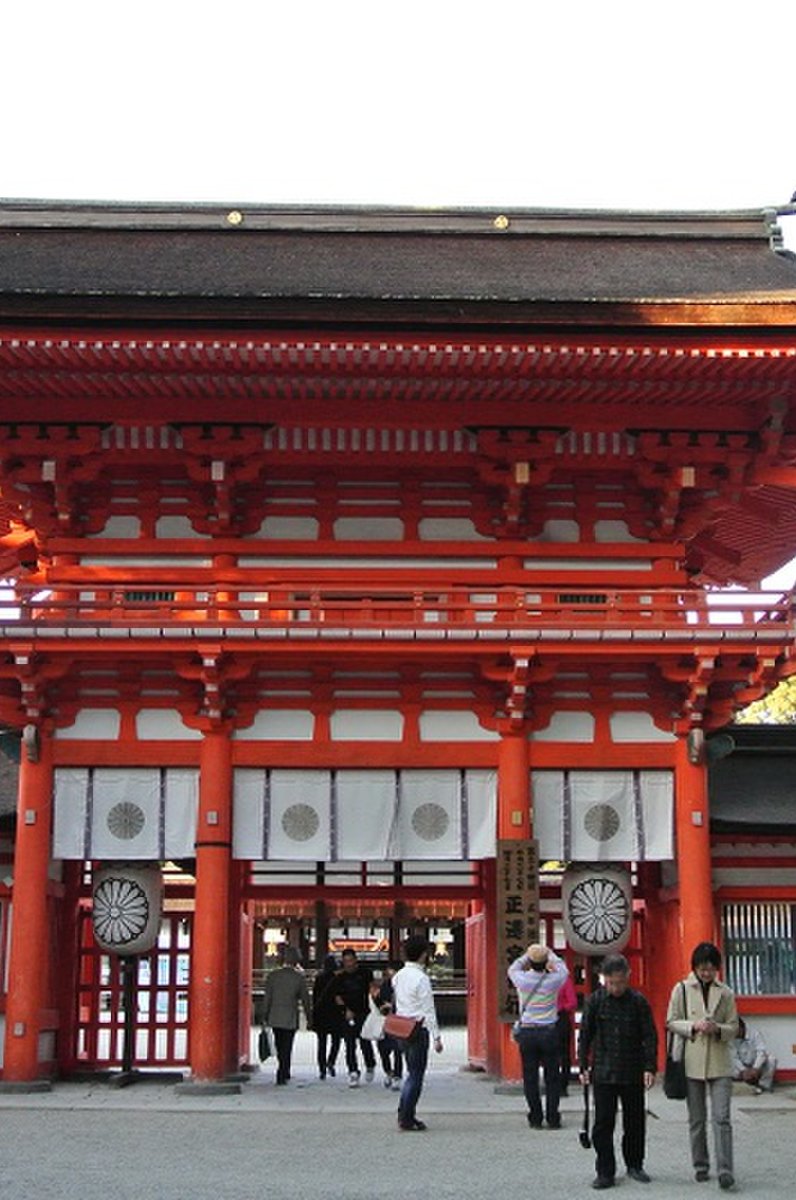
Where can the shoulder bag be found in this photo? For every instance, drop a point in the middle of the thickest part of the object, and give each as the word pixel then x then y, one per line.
pixel 674 1078
pixel 404 1028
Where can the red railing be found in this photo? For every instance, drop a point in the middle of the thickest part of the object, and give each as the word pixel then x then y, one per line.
pixel 143 602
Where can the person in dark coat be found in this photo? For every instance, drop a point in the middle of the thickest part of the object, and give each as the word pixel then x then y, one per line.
pixel 389 1048
pixel 352 997
pixel 326 1018
pixel 618 1053
pixel 285 989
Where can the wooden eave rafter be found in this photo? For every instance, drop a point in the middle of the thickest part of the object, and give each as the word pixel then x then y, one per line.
pixel 85 375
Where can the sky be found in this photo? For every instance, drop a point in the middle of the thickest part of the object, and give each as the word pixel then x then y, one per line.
pixel 424 102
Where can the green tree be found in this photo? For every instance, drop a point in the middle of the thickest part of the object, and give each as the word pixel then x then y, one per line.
pixel 777 708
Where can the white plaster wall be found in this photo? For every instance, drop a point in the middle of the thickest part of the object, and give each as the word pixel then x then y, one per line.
pixel 637 727
pixel 163 725
pixel 93 724
pixel 369 529
pixel 361 725
pixel 451 725
pixel 278 725
pixel 567 726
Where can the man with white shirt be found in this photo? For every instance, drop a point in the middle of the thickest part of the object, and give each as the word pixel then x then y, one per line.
pixel 414 998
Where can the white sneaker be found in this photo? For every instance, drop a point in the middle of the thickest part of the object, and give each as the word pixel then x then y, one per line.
pixel 387 1081
pixel 353 1079
pixel 397 1083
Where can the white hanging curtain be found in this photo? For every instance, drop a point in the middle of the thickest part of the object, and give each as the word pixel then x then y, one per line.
pixel 115 813
pixel 299 818
pixel 366 808
pixel 356 815
pixel 603 816
pixel 429 815
pixel 248 814
pixel 70 809
pixel 481 812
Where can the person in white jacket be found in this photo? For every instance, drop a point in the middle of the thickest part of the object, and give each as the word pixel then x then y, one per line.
pixel 702 1011
pixel 751 1061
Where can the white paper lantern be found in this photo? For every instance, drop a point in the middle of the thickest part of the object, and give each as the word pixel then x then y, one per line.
pixel 597 904
pixel 127 906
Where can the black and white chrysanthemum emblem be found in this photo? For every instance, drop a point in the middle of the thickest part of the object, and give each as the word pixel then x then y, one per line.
pixel 121 911
pixel 300 822
pixel 602 822
pixel 599 910
pixel 126 820
pixel 430 821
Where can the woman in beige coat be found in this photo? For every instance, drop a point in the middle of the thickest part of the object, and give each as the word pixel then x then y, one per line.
pixel 702 1011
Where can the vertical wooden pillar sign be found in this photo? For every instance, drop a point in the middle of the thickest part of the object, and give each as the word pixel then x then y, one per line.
pixel 517 904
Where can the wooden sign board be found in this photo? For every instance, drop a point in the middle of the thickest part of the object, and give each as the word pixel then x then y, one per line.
pixel 517 907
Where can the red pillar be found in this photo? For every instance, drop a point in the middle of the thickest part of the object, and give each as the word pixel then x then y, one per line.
pixel 209 1033
pixel 30 941
pixel 514 823
pixel 697 922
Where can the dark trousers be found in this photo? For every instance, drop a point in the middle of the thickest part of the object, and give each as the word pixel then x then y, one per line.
pixel 351 1039
pixel 390 1054
pixel 327 1057
pixel 539 1049
pixel 415 1053
pixel 606 1099
pixel 565 1047
pixel 283 1041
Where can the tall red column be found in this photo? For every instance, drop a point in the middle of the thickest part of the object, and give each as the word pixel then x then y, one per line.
pixel 30 941
pixel 697 919
pixel 209 1037
pixel 513 823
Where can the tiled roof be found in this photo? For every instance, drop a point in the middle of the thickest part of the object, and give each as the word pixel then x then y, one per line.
pixel 451 264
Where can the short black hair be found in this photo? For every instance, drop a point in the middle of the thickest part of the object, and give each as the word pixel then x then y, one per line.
pixel 615 964
pixel 705 952
pixel 349 952
pixel 415 947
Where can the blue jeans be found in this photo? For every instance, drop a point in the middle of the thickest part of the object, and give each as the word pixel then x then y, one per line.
pixel 415 1054
pixel 539 1048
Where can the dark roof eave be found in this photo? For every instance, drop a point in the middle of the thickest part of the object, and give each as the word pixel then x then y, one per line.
pixel 106 308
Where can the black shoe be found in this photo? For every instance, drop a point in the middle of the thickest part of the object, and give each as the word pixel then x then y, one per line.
pixel 533 1124
pixel 639 1174
pixel 412 1126
pixel 331 1070
pixel 726 1181
pixel 702 1175
pixel 554 1124
pixel 603 1181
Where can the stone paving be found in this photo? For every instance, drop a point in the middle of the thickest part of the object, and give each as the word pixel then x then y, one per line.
pixel 320 1139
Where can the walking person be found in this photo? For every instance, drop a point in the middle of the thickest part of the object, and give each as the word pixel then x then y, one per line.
pixel 618 1053
pixel 538 975
pixel 351 991
pixel 413 997
pixel 566 1005
pixel 702 1011
pixel 326 1018
pixel 389 1048
pixel 285 988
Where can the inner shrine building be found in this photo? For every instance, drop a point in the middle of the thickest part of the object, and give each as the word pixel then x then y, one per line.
pixel 366 571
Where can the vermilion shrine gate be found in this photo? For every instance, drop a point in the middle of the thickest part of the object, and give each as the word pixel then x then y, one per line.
pixel 346 545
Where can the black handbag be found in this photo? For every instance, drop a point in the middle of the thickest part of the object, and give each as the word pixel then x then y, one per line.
pixel 263 1045
pixel 674 1078
pixel 674 1084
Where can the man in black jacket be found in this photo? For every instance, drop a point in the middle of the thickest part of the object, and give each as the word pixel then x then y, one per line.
pixel 618 1052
